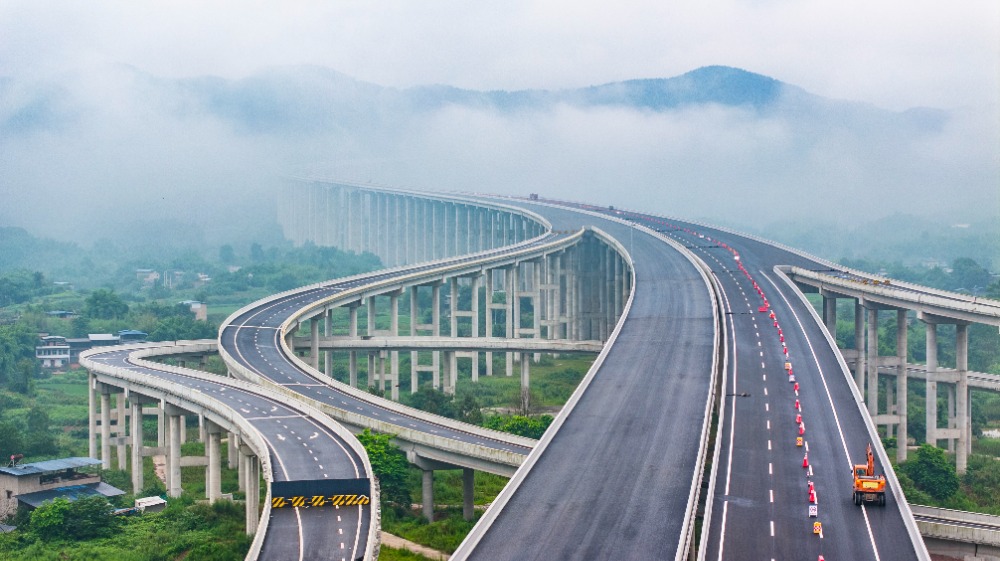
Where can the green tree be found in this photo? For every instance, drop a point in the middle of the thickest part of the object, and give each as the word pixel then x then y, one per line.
pixel 531 427
pixel 49 520
pixel 969 276
pixel 17 343
pixel 227 255
pixel 22 380
pixel 390 466
pixel 11 439
pixel 104 304
pixel 84 518
pixel 432 401
pixel 39 440
pixel 932 473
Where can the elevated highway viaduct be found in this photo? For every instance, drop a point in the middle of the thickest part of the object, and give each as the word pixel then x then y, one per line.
pixel 300 454
pixel 498 537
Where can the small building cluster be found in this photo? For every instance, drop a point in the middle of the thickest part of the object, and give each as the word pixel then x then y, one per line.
pixel 57 352
pixel 30 485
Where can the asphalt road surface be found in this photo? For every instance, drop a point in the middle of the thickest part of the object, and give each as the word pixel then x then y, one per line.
pixel 300 449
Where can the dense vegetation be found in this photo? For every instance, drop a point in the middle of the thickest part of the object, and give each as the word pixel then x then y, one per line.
pixel 84 531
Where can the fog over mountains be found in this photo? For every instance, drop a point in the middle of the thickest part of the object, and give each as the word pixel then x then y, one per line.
pixel 114 151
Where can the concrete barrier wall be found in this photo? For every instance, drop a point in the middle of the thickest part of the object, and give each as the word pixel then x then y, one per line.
pixel 984 310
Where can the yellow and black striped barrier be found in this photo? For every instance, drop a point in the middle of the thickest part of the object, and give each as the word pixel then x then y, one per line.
pixel 320 501
pixel 321 493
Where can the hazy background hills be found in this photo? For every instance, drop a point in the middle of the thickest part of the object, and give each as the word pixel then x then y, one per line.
pixel 122 154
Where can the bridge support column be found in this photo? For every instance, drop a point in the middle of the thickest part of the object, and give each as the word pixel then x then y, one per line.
pixel 830 314
pixel 394 355
pixel 859 346
pixel 513 309
pixel 92 401
pixel 232 451
pixel 105 427
pixel 161 427
pixel 353 356
pixel 427 495
pixel 901 385
pixel 871 359
pixel 436 330
pixel 468 493
pixel 932 385
pixel 525 382
pixel 176 425
pixel 490 308
pixel 328 332
pixel 213 471
pixel 450 372
pixel 314 342
pixel 371 368
pixel 381 371
pixel 137 463
pixel 476 281
pixel 962 391
pixel 252 485
pixel 414 355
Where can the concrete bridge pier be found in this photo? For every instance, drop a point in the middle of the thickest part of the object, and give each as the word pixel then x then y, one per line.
pixel 328 332
pixel 250 476
pixel 959 427
pixel 120 439
pixel 139 451
pixel 233 451
pixel 175 425
pixel 428 466
pixel 352 361
pixel 213 471
pixel 105 391
pixel 896 398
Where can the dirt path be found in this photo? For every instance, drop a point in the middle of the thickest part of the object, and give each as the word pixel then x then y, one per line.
pixel 160 465
pixel 397 542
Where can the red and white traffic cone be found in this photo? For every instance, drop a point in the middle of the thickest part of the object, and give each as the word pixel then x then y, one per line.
pixel 805 460
pixel 812 496
pixel 802 429
pixel 796 386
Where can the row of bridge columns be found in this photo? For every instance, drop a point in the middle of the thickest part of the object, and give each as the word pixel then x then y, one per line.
pixel 121 426
pixel 428 467
pixel 577 293
pixel 400 228
pixel 893 415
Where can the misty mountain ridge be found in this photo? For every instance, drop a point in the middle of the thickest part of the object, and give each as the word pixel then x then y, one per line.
pixel 309 99
pixel 93 154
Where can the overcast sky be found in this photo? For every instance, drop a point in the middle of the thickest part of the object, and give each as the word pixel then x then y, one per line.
pixel 894 53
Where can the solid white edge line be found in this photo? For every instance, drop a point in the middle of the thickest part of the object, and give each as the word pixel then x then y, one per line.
pixel 911 525
pixel 703 546
pixel 722 536
pixel 829 397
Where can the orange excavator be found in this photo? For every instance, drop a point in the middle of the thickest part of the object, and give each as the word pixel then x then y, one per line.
pixel 868 487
